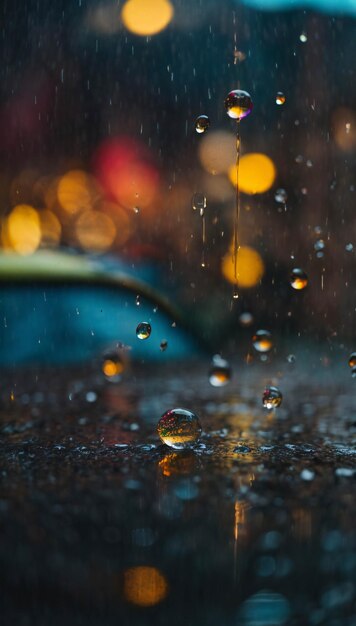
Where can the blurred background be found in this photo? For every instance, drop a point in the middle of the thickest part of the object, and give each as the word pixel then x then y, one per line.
pixel 99 155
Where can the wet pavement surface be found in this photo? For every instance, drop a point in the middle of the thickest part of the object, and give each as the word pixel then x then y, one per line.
pixel 103 524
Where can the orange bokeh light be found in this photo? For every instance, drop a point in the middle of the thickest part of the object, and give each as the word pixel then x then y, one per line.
pixel 144 586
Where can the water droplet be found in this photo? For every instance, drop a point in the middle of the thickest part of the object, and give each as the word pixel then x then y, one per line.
pixel 352 359
pixel 307 474
pixel 318 230
pixel 112 365
pixel 262 341
pixel 199 203
pixel 179 428
pixel 272 398
pixel 220 372
pixel 202 124
pixel 319 245
pixel 143 330
pixel 349 247
pixel 163 345
pixel 136 209
pixel 303 37
pixel 299 159
pixel 138 301
pixel 238 104
pixel 281 196
pixel 242 449
pixel 298 279
pixel 246 319
pixel 280 98
pixel 291 358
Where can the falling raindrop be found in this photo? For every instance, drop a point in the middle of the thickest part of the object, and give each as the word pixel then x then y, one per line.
pixel 262 341
pixel 138 301
pixel 352 359
pixel 281 196
pixel 280 98
pixel 143 330
pixel 298 279
pixel 246 319
pixel 238 104
pixel 163 345
pixel 199 203
pixel 291 358
pixel 349 247
pixel 319 245
pixel 220 372
pixel 136 209
pixel 112 365
pixel 179 428
pixel 202 124
pixel 272 398
pixel 303 37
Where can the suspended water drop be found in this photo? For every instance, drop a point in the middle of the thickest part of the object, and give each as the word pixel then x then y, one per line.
pixel 163 345
pixel 303 37
pixel 179 428
pixel 272 398
pixel 349 247
pixel 298 279
pixel 352 359
pixel 291 358
pixel 112 365
pixel 280 98
pixel 202 124
pixel 199 203
pixel 319 245
pixel 281 195
pixel 136 209
pixel 143 330
pixel 238 104
pixel 262 341
pixel 246 319
pixel 220 372
pixel 138 301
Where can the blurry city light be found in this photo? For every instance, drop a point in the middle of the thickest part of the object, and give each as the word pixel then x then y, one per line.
pixel 95 231
pixel 50 229
pixel 76 191
pixel 217 151
pixel 143 18
pixel 250 267
pixel 21 231
pixel 121 220
pixel 144 586
pixel 344 128
pixel 256 173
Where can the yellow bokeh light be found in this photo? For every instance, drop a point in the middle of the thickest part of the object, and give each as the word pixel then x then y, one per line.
pixel 76 191
pixel 144 586
pixel 256 173
pixel 250 267
pixel 112 368
pixel 146 17
pixel 217 152
pixel 51 229
pixel 95 231
pixel 21 230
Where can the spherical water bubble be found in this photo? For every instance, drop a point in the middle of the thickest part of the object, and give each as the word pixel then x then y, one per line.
pixel 112 365
pixel 202 124
pixel 238 104
pixel 281 196
pixel 280 98
pixel 164 345
pixel 298 279
pixel 352 359
pixel 179 428
pixel 143 330
pixel 199 203
pixel 262 341
pixel 319 245
pixel 220 372
pixel 272 398
pixel 246 319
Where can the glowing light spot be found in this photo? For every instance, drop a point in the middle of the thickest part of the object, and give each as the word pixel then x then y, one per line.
pixel 112 368
pixel 51 229
pixel 76 191
pixel 217 152
pixel 144 586
pixel 250 267
pixel 147 18
pixel 256 174
pixel 95 231
pixel 121 220
pixel 22 230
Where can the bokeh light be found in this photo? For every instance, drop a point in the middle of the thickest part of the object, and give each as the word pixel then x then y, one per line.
pixel 21 231
pixel 256 173
pixel 76 191
pixel 121 220
pixel 144 586
pixel 51 229
pixel 142 18
pixel 344 129
pixel 217 151
pixel 250 267
pixel 95 231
